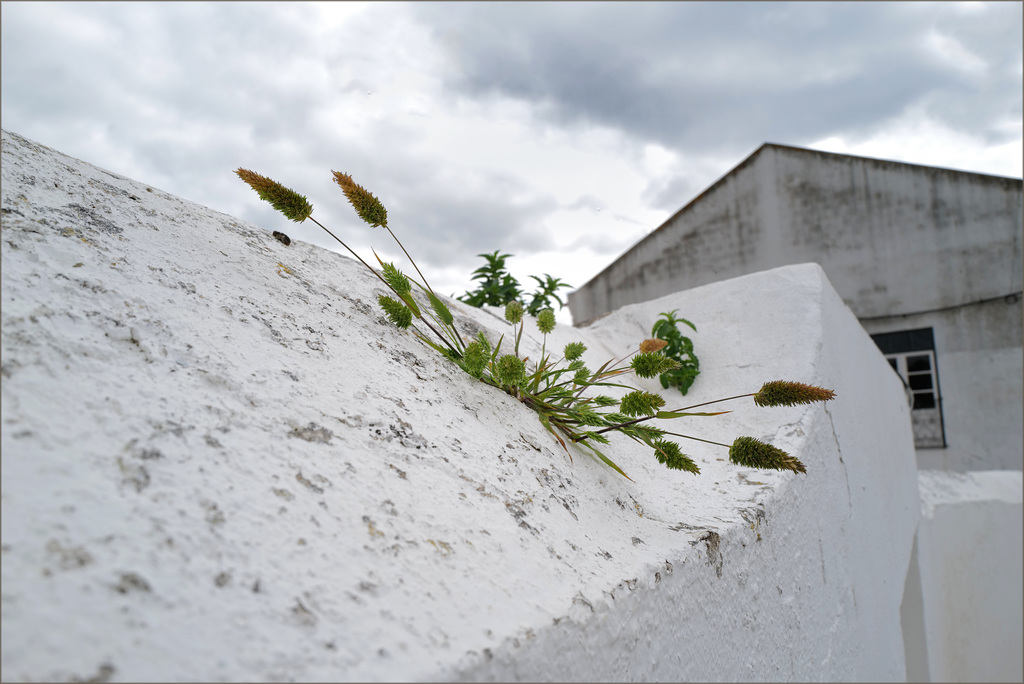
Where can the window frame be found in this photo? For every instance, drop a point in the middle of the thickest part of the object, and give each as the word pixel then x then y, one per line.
pixel 899 348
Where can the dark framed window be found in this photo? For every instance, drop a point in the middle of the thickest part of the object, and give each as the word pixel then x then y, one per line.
pixel 911 353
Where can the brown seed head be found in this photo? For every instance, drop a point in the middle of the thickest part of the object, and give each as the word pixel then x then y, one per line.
pixel 290 203
pixel 652 344
pixel 366 205
pixel 783 393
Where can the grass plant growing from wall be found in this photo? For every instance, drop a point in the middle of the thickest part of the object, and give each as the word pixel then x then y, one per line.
pixel 558 387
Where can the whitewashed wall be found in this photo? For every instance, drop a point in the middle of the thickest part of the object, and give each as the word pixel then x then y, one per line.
pixel 221 463
pixel 962 617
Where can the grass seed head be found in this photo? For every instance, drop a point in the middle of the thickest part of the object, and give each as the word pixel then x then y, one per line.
pixel 399 313
pixel 511 371
pixel 652 344
pixel 669 454
pixel 574 350
pixel 641 403
pixel 753 453
pixel 514 312
pixel 783 393
pixel 652 364
pixel 290 203
pixel 546 321
pixel 475 358
pixel 396 279
pixel 366 205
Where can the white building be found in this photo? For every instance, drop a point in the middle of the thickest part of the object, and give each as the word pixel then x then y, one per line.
pixel 929 260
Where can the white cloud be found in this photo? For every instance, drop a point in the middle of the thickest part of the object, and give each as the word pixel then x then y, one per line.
pixel 559 132
pixel 951 51
pixel 917 139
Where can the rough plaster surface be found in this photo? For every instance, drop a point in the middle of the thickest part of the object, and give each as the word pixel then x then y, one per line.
pixel 221 463
pixel 971 568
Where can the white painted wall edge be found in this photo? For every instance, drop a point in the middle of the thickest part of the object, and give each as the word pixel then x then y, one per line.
pixel 221 463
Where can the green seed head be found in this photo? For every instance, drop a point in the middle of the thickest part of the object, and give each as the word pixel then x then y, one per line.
pixel 546 321
pixel 398 282
pixel 290 203
pixel 475 358
pixel 581 373
pixel 753 453
pixel 514 312
pixel 574 350
pixel 652 364
pixel 366 205
pixel 396 311
pixel 511 371
pixel 670 454
pixel 640 403
pixel 783 393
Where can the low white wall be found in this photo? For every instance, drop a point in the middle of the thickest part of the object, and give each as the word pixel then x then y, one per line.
pixel 221 463
pixel 962 616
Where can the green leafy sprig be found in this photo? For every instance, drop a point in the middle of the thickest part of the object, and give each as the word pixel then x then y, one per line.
pixel 497 287
pixel 678 347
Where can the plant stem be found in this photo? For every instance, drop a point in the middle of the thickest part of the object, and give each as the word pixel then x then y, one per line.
pixel 708 441
pixel 412 261
pixel 738 396
pixel 369 268
pixel 643 418
pixel 381 278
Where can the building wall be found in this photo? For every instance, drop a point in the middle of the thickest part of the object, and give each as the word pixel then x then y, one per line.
pixel 897 238
pixel 892 237
pixel 980 365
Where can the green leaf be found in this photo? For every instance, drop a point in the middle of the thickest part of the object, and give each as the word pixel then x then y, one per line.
pixel 606 460
pixel 546 422
pixel 411 303
pixel 439 307
pixel 666 415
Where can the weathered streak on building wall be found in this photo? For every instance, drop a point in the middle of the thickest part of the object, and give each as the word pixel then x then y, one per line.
pixel 894 238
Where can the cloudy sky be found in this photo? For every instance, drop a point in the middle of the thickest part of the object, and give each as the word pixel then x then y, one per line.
pixel 561 133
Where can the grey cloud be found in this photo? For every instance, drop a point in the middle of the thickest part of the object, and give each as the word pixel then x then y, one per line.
pixel 728 76
pixel 178 95
pixel 169 87
pixel 450 215
pixel 183 93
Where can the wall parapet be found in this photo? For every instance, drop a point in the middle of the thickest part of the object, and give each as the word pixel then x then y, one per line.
pixel 212 446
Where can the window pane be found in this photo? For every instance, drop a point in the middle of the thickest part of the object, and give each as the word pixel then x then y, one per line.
pixel 918 364
pixel 892 362
pixel 924 400
pixel 921 382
